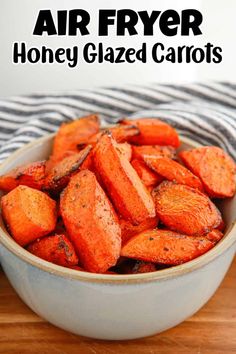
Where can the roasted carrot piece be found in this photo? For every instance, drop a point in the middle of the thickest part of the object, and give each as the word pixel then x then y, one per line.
pixel 173 171
pixel 128 230
pixel 153 132
pixel 125 149
pixel 154 151
pixel 185 209
pixel 131 266
pixel 28 213
pixel 124 133
pixel 91 222
pixel 214 167
pixel 60 174
pixel 31 175
pixel 148 177
pixel 214 235
pixel 165 247
pixel 192 158
pixel 120 133
pixel 217 172
pixel 143 267
pixel 71 135
pixel 57 249
pixel 122 183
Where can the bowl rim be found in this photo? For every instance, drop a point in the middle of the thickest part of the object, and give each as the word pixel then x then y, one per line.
pixel 8 242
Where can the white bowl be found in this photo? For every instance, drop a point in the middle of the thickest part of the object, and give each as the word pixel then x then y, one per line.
pixel 113 306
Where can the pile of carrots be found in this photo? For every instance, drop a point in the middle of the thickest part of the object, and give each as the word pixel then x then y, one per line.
pixel 118 200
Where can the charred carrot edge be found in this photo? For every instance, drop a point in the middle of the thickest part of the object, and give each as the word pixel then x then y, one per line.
pixel 60 174
pixel 119 133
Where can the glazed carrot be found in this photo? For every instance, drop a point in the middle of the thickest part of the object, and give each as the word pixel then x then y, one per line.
pixel 214 167
pixel 28 213
pixel 57 249
pixel 148 177
pixel 185 209
pixel 173 171
pixel 215 235
pixel 122 183
pixel 91 222
pixel 153 132
pixel 71 135
pixel 217 172
pixel 125 149
pixel 128 230
pixel 120 133
pixel 192 158
pixel 154 151
pixel 31 175
pixel 165 247
pixel 60 174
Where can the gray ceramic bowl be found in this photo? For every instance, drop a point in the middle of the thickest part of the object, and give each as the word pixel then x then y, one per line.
pixel 107 306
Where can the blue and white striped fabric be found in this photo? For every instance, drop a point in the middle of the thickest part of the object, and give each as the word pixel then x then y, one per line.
pixel 204 112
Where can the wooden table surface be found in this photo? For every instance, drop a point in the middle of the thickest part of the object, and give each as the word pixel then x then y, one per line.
pixel 211 330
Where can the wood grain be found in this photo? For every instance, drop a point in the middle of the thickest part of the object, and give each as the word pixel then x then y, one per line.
pixel 211 330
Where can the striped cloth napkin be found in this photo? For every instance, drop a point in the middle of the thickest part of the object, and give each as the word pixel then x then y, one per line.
pixel 204 112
